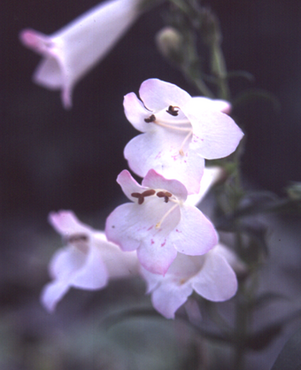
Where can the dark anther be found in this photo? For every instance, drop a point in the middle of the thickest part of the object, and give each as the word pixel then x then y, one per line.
pixel 141 196
pixel 151 118
pixel 172 110
pixel 136 195
pixel 76 238
pixel 164 194
pixel 148 193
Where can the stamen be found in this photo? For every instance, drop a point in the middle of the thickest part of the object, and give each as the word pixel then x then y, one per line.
pixel 172 110
pixel 151 118
pixel 164 194
pixel 160 123
pixel 149 192
pixel 136 195
pixel 158 225
pixel 79 241
pixel 139 196
pixel 183 143
pixel 77 238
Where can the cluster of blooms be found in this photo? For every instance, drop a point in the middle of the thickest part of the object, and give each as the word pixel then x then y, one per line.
pixel 161 234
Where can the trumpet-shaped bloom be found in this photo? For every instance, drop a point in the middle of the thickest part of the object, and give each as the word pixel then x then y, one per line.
pixel 158 223
pixel 178 132
pixel 87 261
pixel 210 276
pixel 73 50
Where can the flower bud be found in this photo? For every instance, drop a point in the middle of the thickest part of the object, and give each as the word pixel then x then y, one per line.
pixel 169 42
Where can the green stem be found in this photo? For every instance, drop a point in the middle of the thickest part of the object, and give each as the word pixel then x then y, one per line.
pixel 241 324
pixel 219 69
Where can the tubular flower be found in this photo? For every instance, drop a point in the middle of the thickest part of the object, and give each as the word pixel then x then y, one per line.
pixel 86 262
pixel 158 223
pixel 73 50
pixel 179 131
pixel 210 276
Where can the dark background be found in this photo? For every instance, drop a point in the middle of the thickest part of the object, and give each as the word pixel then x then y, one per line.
pixel 53 159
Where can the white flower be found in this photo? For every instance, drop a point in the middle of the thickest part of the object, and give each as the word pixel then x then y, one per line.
pixel 210 276
pixel 179 131
pixel 158 223
pixel 87 262
pixel 73 50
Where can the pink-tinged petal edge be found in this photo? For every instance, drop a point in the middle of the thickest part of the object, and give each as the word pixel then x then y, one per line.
pixel 157 94
pixel 156 181
pixel 66 223
pixel 194 235
pixel 128 184
pixel 136 112
pixel 216 281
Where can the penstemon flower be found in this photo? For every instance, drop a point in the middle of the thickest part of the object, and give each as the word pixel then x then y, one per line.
pixel 73 50
pixel 158 223
pixel 210 276
pixel 87 261
pixel 178 132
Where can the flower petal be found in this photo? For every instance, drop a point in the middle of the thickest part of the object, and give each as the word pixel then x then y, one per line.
pixel 232 258
pixel 194 234
pixel 212 104
pixel 133 226
pixel 52 293
pixel 156 181
pixel 216 281
pixel 152 280
pixel 215 134
pixel 159 151
pixel 66 223
pixel 157 94
pixel 130 225
pixel 136 112
pixel 168 297
pixel 157 255
pixel 210 176
pixel 65 263
pixel 129 185
pixel 118 225
pixel 93 274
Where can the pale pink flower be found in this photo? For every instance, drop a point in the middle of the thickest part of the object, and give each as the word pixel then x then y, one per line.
pixel 71 52
pixel 178 132
pixel 158 223
pixel 210 276
pixel 87 261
